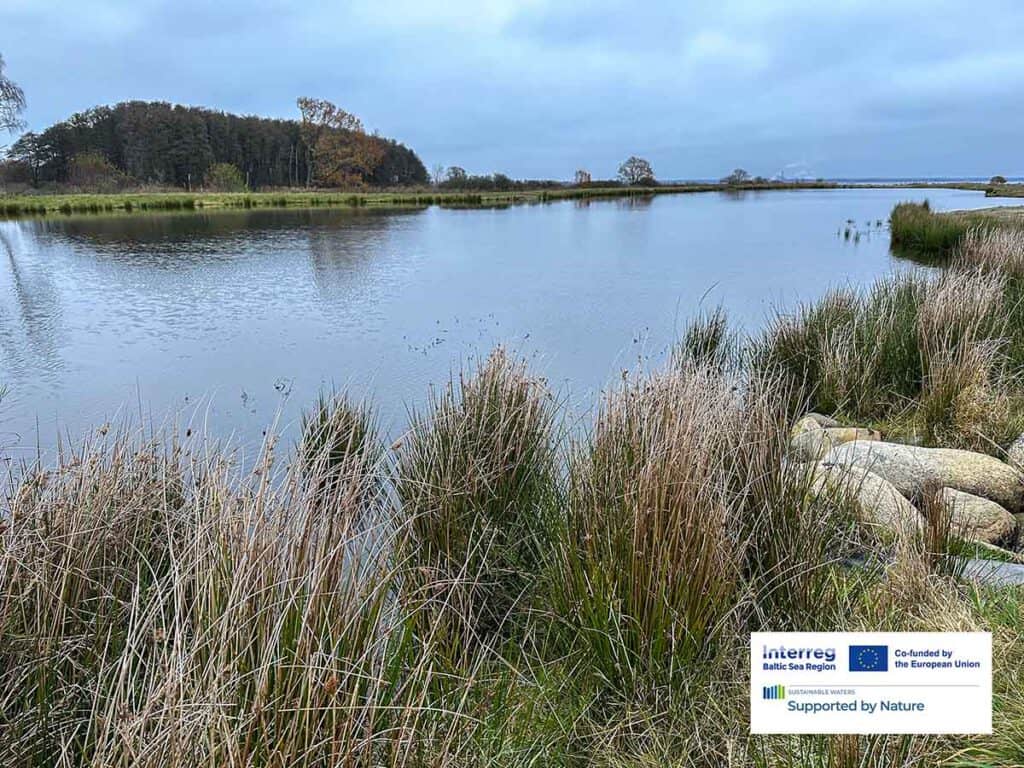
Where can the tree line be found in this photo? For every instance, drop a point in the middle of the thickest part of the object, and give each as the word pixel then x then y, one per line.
pixel 172 145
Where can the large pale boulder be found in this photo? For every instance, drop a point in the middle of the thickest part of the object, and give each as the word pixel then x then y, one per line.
pixel 913 470
pixel 976 518
pixel 813 444
pixel 1015 453
pixel 807 424
pixel 877 503
pixel 822 420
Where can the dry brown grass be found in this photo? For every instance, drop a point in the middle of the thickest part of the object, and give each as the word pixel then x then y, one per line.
pixel 992 249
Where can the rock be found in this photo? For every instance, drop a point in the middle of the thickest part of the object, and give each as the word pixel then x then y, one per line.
pixel 913 470
pixel 975 518
pixel 823 421
pixel 1015 453
pixel 994 573
pixel 876 501
pixel 842 435
pixel 814 444
pixel 810 445
pixel 806 424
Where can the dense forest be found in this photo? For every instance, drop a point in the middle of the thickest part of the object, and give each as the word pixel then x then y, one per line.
pixel 140 142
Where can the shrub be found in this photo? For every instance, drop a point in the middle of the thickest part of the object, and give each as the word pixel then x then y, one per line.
pixel 225 177
pixel 92 172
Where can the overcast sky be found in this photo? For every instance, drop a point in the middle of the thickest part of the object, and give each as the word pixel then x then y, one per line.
pixel 539 88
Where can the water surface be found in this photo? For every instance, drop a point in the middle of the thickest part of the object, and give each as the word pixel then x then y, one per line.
pixel 230 319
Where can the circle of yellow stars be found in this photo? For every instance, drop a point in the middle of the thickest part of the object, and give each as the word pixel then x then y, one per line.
pixel 868 658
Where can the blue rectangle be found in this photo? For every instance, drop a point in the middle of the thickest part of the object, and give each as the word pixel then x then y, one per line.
pixel 869 658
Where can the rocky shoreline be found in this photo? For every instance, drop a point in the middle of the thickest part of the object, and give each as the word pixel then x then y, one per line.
pixel 894 487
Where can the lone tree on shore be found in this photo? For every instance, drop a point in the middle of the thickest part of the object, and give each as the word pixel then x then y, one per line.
pixel 636 170
pixel 456 175
pixel 582 177
pixel 737 177
pixel 12 102
pixel 997 180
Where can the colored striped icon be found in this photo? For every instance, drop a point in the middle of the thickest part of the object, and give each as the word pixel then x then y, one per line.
pixel 773 692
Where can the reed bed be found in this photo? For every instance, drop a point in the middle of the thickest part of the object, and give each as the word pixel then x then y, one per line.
pixel 999 250
pixel 920 233
pixel 936 356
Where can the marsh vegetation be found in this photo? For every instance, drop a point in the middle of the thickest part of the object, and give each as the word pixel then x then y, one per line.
pixel 495 588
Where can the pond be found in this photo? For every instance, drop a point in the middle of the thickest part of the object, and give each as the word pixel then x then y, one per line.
pixel 232 322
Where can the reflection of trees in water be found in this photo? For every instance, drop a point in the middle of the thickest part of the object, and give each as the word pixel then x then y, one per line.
pixel 161 228
pixel 736 195
pixel 28 334
pixel 339 256
pixel 635 201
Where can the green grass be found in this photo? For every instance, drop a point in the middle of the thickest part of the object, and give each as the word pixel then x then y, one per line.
pixel 920 233
pixel 932 358
pixel 14 206
pixel 477 476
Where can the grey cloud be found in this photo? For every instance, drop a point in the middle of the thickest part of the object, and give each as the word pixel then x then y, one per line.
pixel 541 87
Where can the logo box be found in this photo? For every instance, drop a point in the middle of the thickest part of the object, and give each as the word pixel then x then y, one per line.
pixel 871 682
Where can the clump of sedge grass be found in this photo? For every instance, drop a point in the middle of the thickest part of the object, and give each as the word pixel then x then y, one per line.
pixel 477 479
pixel 987 248
pixel 849 352
pixel 673 500
pixel 962 331
pixel 929 351
pixel 922 234
pixel 710 340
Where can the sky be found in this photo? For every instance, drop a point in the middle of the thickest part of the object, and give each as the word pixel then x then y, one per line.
pixel 539 88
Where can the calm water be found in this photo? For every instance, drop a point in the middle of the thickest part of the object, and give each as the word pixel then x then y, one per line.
pixel 228 320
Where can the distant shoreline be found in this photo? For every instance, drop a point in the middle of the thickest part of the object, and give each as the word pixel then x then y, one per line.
pixel 49 204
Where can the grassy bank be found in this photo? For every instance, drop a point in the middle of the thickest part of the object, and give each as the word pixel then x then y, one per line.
pixel 14 206
pixel 496 588
pixel 920 233
pixel 935 358
pixel 1005 190
pixel 56 204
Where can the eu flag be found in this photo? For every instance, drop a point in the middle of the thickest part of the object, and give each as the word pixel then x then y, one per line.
pixel 869 658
